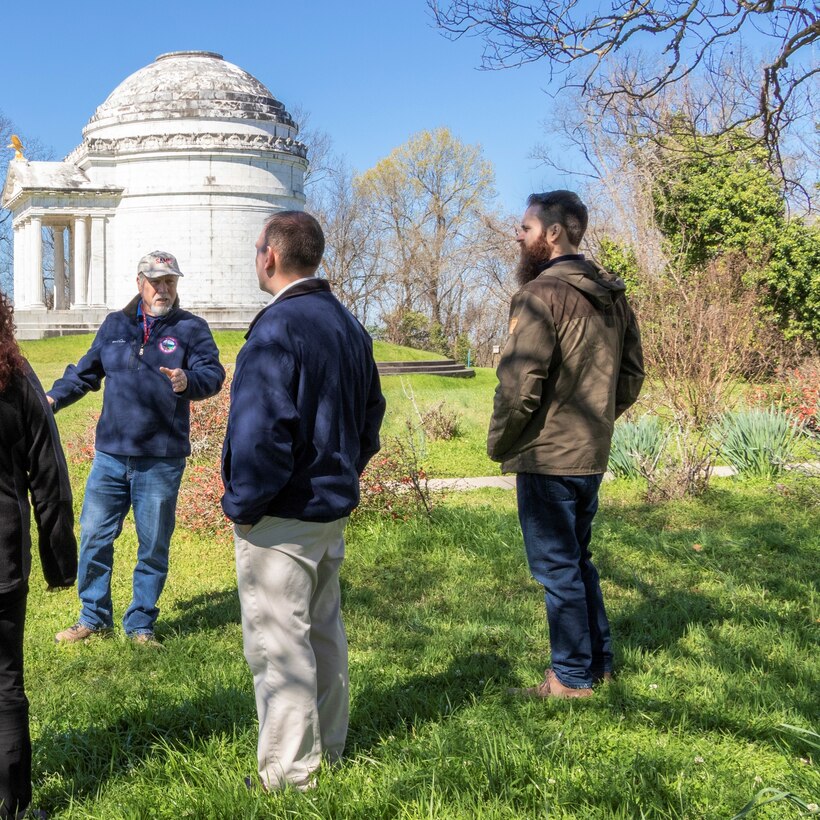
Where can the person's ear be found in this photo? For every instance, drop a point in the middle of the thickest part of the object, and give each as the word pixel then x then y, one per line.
pixel 271 259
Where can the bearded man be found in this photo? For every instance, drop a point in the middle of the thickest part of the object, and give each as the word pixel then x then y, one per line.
pixel 571 366
pixel 155 359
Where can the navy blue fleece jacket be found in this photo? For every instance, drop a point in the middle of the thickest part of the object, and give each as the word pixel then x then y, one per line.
pixel 306 408
pixel 141 414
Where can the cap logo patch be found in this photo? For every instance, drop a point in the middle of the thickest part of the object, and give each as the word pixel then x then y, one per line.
pixel 168 344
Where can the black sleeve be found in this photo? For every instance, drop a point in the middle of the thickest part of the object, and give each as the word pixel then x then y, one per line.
pixel 50 488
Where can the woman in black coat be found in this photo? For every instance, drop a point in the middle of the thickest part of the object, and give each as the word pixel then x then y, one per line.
pixel 31 462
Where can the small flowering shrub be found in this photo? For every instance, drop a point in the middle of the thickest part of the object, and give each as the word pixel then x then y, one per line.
pixel 440 423
pixel 209 420
pixel 802 398
pixel 799 396
pixel 81 449
pixel 395 483
pixel 198 507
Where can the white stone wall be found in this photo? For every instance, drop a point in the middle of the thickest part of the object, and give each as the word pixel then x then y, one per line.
pixel 208 211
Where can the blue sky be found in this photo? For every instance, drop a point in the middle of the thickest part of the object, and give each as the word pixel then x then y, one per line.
pixel 371 73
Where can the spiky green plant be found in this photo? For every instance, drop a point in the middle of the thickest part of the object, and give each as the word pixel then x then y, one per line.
pixel 758 443
pixel 636 447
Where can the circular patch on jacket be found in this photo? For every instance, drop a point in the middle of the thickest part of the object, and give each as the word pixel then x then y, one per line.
pixel 168 344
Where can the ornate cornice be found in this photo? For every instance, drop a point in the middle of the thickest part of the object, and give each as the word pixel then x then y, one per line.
pixel 187 142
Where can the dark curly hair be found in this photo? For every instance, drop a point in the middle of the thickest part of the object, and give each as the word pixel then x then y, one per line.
pixel 11 359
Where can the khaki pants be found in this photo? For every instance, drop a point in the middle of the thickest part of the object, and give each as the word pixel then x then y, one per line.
pixel 295 644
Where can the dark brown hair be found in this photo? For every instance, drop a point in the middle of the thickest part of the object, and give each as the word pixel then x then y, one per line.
pixel 565 208
pixel 11 359
pixel 298 237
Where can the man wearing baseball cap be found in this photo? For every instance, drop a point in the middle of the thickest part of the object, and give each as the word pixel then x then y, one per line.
pixel 155 359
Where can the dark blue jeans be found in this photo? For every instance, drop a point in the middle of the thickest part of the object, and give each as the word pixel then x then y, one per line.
pixel 116 483
pixel 556 515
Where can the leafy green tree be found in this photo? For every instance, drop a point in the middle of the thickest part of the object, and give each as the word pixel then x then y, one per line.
pixel 716 203
pixel 619 259
pixel 429 198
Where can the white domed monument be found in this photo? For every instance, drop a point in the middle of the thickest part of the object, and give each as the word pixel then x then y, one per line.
pixel 190 154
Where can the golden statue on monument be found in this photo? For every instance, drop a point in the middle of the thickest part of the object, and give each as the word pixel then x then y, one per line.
pixel 17 146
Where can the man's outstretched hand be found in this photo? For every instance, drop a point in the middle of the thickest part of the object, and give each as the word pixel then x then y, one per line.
pixel 179 381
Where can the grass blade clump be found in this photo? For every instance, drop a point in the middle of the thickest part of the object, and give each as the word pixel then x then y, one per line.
pixel 758 443
pixel 637 447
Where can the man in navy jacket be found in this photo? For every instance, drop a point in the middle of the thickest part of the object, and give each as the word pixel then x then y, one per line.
pixel 155 359
pixel 306 407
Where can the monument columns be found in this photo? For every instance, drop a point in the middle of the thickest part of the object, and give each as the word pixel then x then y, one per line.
pixel 80 262
pixel 70 271
pixel 35 264
pixel 20 289
pixel 96 268
pixel 59 268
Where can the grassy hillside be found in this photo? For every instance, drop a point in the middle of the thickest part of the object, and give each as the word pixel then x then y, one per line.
pixel 49 355
pixel 470 399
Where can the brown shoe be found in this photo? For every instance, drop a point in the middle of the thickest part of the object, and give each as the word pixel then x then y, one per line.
pixel 551 687
pixel 145 639
pixel 80 632
pixel 606 677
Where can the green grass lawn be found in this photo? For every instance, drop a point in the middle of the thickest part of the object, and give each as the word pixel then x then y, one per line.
pixel 470 399
pixel 715 650
pixel 715 614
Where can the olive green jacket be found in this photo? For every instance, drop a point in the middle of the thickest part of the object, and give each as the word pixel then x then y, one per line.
pixel 571 366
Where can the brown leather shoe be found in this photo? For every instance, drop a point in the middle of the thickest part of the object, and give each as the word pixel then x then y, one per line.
pixel 551 687
pixel 606 677
pixel 79 632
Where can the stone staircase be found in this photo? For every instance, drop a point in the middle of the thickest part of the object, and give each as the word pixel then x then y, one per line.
pixel 438 367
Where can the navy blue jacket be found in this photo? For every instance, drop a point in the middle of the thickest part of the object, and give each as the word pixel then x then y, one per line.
pixel 141 414
pixel 306 408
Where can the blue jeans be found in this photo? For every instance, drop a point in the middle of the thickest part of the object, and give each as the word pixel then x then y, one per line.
pixel 556 515
pixel 150 486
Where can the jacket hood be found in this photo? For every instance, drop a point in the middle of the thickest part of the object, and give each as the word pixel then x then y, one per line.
pixel 602 287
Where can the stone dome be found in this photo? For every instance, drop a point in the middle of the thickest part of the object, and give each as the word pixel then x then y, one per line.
pixel 183 85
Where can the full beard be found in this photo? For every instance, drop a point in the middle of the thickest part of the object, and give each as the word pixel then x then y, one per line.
pixel 532 262
pixel 161 309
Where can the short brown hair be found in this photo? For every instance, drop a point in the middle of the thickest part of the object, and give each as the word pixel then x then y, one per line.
pixel 565 208
pixel 298 238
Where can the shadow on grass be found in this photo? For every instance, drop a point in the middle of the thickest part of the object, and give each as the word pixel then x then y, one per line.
pixel 208 610
pixel 380 712
pixel 75 764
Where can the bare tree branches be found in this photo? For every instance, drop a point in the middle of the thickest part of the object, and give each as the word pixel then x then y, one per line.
pixel 687 37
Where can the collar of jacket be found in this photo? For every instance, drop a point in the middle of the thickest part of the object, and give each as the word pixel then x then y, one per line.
pixel 130 310
pixel 567 257
pixel 310 285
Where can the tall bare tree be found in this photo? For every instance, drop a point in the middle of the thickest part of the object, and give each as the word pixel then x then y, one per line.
pixel 353 262
pixel 429 197
pixel 657 44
